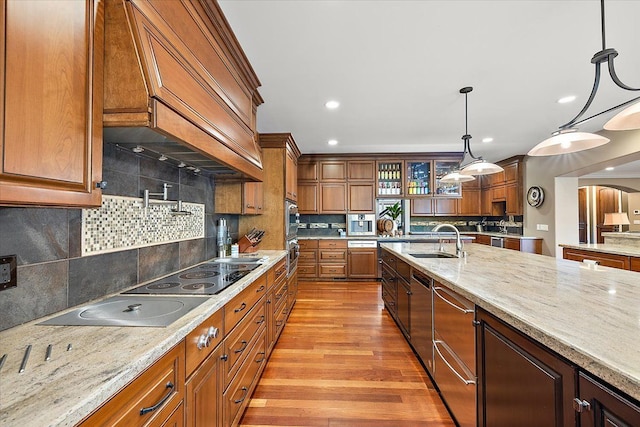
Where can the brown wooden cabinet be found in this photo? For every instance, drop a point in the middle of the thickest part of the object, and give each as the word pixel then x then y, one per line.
pixel 607 408
pixel 279 151
pixel 239 198
pixel 308 259
pixel 308 198
pixel 507 360
pixel 422 207
pixel 361 197
pixel 634 263
pixel 333 197
pixel 362 263
pixel 203 400
pixel 52 93
pixel 513 198
pixel 291 175
pixel 333 170
pixel 471 202
pixel 161 384
pixel 332 258
pixel 608 260
pixel 361 170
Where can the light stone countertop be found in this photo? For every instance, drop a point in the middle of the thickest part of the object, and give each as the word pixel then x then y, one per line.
pixel 624 235
pixel 73 383
pixel 588 314
pixel 608 248
pixel 465 235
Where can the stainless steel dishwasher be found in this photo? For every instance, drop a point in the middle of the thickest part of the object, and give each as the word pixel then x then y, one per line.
pixel 454 345
pixel 421 318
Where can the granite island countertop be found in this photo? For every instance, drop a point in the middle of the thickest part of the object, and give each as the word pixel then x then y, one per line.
pixel 464 235
pixel 607 248
pixel 66 389
pixel 588 314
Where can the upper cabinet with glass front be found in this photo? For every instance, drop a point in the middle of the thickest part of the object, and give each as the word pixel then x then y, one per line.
pixel 390 178
pixel 419 178
pixel 441 168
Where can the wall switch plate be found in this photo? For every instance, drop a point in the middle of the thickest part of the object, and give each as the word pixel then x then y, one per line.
pixel 636 221
pixel 8 272
pixel 542 227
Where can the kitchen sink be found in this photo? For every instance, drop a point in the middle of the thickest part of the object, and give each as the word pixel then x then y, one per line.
pixel 435 255
pixel 146 311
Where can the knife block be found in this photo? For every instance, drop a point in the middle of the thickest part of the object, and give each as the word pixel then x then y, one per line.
pixel 247 246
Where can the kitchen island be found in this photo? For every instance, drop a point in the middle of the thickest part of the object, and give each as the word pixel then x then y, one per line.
pixel 588 314
pixel 100 362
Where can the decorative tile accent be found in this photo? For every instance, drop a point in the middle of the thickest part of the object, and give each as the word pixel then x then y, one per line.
pixel 122 223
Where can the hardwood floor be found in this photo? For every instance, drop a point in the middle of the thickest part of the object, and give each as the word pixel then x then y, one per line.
pixel 342 361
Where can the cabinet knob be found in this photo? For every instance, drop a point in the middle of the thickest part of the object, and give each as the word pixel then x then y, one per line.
pixel 101 185
pixel 580 405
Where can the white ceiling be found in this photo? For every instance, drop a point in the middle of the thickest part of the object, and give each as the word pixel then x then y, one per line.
pixel 397 67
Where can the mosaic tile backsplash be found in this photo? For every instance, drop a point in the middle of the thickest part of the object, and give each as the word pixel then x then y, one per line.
pixel 123 223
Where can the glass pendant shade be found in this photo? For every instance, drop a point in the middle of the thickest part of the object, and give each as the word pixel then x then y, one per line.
pixel 456 176
pixel 567 141
pixel 481 167
pixel 627 119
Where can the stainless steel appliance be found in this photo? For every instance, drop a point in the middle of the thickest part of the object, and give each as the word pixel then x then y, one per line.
pixel 209 278
pixel 291 220
pixel 293 252
pixel 361 224
pixel 421 321
pixel 498 242
pixel 138 310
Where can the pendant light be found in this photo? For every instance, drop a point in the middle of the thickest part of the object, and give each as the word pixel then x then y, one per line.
pixel 567 139
pixel 478 165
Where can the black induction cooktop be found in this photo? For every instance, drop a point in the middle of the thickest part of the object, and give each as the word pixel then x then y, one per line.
pixel 209 278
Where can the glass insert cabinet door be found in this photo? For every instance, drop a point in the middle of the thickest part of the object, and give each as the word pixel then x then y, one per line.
pixel 443 167
pixel 418 177
pixel 390 178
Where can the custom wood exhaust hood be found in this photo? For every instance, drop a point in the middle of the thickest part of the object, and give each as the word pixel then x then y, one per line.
pixel 178 83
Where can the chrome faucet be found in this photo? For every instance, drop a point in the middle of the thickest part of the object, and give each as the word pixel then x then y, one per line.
pixel 458 240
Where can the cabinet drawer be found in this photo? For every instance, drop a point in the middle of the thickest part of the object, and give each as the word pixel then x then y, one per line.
pixel 453 317
pixel 203 339
pixel 279 295
pixel 389 259
pixel 332 270
pixel 307 244
pixel 235 309
pixel 237 395
pixel 238 343
pixel 162 382
pixel 332 255
pixel 308 256
pixel 456 384
pixel 280 317
pixel 332 244
pixel 277 273
pixel 307 270
pixel 607 260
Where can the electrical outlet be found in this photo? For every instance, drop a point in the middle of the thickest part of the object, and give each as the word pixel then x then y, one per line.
pixel 8 272
pixel 542 227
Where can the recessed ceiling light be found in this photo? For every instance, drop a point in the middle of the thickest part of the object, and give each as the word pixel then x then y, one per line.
pixel 567 99
pixel 487 139
pixel 332 105
pixel 332 142
pixel 610 168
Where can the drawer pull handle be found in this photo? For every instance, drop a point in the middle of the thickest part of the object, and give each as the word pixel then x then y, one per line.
pixel 144 411
pixel 446 362
pixel 260 320
pixel 242 348
pixel 245 390
pixel 464 310
pixel 260 289
pixel 242 307
pixel 262 358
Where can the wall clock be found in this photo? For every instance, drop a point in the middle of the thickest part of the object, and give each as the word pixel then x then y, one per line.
pixel 535 196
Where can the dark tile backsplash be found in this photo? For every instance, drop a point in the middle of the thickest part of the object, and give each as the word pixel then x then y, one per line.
pixel 51 274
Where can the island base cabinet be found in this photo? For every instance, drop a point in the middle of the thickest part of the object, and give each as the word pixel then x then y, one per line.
pixel 606 407
pixel 520 383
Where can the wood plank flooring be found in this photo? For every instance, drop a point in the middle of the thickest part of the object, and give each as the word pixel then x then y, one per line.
pixel 342 361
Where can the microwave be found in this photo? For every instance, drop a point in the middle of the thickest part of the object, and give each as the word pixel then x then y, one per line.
pixel 361 224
